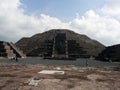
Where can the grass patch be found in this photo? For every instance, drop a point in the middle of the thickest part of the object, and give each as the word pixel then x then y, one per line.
pixel 104 80
pixel 100 80
pixel 70 86
pixel 1 87
pixel 26 76
pixel 1 58
pixel 7 75
pixel 71 76
pixel 116 69
pixel 9 81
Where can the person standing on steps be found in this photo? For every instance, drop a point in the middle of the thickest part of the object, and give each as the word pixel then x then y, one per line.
pixel 86 62
pixel 16 59
pixel 12 58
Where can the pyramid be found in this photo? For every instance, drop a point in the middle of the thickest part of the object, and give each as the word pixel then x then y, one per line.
pixel 60 43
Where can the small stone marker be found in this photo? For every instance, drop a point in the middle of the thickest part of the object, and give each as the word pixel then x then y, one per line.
pixel 34 81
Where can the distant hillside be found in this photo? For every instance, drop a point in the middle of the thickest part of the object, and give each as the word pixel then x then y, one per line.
pixel 110 53
pixel 60 43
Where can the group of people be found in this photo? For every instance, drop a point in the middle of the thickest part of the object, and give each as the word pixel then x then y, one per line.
pixel 14 59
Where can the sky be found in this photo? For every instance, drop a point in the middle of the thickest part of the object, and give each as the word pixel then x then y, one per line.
pixel 98 19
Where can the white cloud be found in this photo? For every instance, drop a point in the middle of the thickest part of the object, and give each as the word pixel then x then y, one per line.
pixel 52 22
pixel 112 8
pixel 14 24
pixel 9 4
pixel 102 28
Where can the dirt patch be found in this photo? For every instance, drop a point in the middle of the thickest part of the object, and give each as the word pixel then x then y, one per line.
pixel 16 77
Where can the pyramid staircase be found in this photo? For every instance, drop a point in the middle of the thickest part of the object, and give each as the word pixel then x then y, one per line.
pixel 9 50
pixel 17 50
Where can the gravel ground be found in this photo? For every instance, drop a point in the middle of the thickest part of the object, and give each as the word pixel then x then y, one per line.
pixel 78 62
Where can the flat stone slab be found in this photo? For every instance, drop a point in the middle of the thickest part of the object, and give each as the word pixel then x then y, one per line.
pixel 52 72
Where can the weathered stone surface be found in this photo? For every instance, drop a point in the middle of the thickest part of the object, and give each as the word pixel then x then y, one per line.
pixel 60 43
